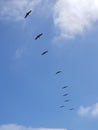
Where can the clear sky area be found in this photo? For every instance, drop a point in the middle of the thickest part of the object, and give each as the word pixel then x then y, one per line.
pixel 48 81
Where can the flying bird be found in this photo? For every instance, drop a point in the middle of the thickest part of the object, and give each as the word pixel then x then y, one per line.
pixel 44 52
pixel 62 106
pixel 65 94
pixel 67 100
pixel 38 36
pixel 28 13
pixel 58 72
pixel 71 109
pixel 64 87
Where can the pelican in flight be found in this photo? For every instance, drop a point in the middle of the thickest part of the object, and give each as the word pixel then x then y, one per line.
pixel 64 87
pixel 65 94
pixel 67 100
pixel 62 106
pixel 71 109
pixel 44 52
pixel 58 72
pixel 28 13
pixel 38 36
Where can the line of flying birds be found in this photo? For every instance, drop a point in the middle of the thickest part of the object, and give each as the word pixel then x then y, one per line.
pixel 39 35
pixel 45 52
pixel 66 100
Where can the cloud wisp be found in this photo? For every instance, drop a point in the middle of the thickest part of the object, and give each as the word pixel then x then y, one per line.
pixel 90 111
pixel 16 9
pixel 20 52
pixel 20 127
pixel 72 17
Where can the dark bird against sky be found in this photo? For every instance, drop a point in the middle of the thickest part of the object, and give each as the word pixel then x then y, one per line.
pixel 27 14
pixel 44 52
pixel 58 72
pixel 64 87
pixel 62 106
pixel 65 94
pixel 38 36
pixel 71 109
pixel 67 100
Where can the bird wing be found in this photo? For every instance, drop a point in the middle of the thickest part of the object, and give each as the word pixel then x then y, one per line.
pixel 61 106
pixel 58 72
pixel 26 15
pixel 44 52
pixel 38 36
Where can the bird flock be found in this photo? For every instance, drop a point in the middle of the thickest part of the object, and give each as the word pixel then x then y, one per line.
pixel 58 72
pixel 67 99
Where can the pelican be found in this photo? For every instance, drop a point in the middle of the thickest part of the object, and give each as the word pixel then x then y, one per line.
pixel 62 106
pixel 44 52
pixel 28 13
pixel 65 94
pixel 71 109
pixel 38 36
pixel 64 87
pixel 67 100
pixel 58 72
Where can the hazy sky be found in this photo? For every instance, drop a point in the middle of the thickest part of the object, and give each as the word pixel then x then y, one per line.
pixel 30 91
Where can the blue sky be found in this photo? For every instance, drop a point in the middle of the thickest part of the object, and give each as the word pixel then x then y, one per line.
pixel 30 91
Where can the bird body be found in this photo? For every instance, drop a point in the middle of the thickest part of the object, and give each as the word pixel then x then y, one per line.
pixel 71 109
pixel 64 87
pixel 65 94
pixel 38 36
pixel 44 52
pixel 27 14
pixel 58 72
pixel 67 100
pixel 62 106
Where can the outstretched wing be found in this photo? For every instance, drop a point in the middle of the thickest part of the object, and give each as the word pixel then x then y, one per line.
pixel 44 52
pixel 38 36
pixel 27 13
pixel 71 109
pixel 67 100
pixel 58 72
pixel 62 106
pixel 65 94
pixel 64 87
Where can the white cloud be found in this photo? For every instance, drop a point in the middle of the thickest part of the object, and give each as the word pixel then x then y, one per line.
pixel 91 111
pixel 16 9
pixel 19 53
pixel 20 127
pixel 72 17
pixel 22 52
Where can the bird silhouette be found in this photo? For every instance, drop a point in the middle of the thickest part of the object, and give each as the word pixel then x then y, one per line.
pixel 58 72
pixel 65 94
pixel 67 100
pixel 28 13
pixel 44 52
pixel 62 106
pixel 71 109
pixel 64 87
pixel 38 36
